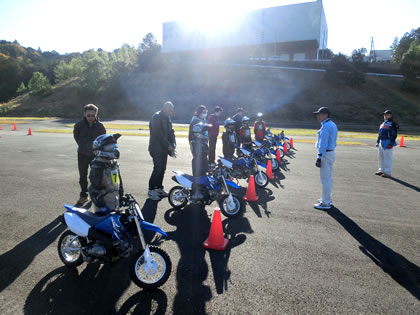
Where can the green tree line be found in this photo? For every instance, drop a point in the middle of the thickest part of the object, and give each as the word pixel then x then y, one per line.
pixel 23 69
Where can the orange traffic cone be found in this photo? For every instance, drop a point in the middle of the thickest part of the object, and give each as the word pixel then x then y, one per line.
pixel 402 142
pixel 291 143
pixel 29 132
pixel 278 157
pixel 269 170
pixel 251 195
pixel 216 239
pixel 14 126
pixel 285 147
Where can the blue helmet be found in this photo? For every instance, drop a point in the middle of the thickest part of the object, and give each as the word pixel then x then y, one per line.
pixel 201 130
pixel 106 146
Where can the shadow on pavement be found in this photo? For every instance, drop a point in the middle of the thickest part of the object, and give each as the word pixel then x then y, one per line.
pixel 265 195
pixel 145 302
pixel 276 181
pixel 399 181
pixel 16 260
pixel 397 266
pixel 93 290
pixel 193 226
pixel 234 229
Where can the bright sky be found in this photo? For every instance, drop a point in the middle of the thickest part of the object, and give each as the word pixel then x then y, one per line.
pixel 78 25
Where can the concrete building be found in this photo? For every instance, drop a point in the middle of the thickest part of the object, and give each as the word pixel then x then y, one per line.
pixel 290 32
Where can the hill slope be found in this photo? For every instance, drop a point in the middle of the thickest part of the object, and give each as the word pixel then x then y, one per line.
pixel 282 95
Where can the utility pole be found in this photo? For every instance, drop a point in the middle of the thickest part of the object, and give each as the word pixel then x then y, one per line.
pixel 372 55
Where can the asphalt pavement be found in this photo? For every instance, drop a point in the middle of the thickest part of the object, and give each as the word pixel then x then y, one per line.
pixel 284 257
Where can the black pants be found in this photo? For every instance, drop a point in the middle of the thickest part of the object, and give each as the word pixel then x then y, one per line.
pixel 212 148
pixel 83 162
pixel 159 167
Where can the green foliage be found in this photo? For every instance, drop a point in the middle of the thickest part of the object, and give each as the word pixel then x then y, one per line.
pixel 39 84
pixel 358 56
pixel 67 70
pixel 410 67
pixel 399 48
pixel 21 89
pixel 342 71
pixel 149 56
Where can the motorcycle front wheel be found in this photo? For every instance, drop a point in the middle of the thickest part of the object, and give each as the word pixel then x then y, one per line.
pixel 233 208
pixel 177 197
pixel 153 274
pixel 275 165
pixel 261 179
pixel 70 249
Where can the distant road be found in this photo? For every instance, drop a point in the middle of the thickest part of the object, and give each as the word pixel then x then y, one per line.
pixel 304 69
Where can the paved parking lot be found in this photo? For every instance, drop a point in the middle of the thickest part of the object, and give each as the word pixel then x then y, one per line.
pixel 284 257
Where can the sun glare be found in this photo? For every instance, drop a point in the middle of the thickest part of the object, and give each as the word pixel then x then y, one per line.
pixel 212 19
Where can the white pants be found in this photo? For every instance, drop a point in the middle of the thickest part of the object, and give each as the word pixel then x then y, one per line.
pixel 385 160
pixel 326 177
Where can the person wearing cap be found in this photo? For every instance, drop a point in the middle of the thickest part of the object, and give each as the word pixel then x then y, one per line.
pixel 213 132
pixel 386 141
pixel 325 144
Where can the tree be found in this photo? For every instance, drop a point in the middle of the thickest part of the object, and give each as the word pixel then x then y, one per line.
pixel 149 54
pixel 21 89
pixel 358 56
pixel 399 48
pixel 149 42
pixel 410 67
pixel 39 84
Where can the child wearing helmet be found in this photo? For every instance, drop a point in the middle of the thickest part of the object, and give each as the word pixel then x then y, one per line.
pixel 259 127
pixel 245 133
pixel 106 189
pixel 229 138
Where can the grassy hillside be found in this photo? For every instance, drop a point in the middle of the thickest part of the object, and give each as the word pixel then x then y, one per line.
pixel 282 95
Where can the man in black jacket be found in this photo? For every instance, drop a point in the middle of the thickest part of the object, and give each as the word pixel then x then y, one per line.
pixel 161 144
pixel 84 132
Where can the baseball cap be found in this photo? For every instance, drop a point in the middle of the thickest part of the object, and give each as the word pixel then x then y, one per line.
pixel 388 111
pixel 322 110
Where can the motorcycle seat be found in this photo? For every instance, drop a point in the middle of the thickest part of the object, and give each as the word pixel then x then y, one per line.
pixel 89 217
pixel 202 180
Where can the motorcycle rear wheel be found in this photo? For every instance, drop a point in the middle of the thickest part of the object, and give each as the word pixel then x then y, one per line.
pixel 70 252
pixel 177 198
pixel 261 179
pixel 234 211
pixel 153 276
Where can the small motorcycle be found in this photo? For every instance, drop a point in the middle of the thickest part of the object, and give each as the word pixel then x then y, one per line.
pixel 214 187
pixel 104 238
pixel 243 167
pixel 263 153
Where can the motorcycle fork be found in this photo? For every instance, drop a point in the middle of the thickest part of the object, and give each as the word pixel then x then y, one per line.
pixel 140 233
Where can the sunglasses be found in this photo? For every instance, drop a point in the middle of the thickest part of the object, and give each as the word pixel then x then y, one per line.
pixel 93 116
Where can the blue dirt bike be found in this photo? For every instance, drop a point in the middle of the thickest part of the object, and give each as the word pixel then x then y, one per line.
pixel 215 187
pixel 244 166
pixel 264 152
pixel 105 238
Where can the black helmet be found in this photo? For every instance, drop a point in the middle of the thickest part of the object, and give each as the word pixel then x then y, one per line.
pixel 229 124
pixel 106 146
pixel 201 130
pixel 245 120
